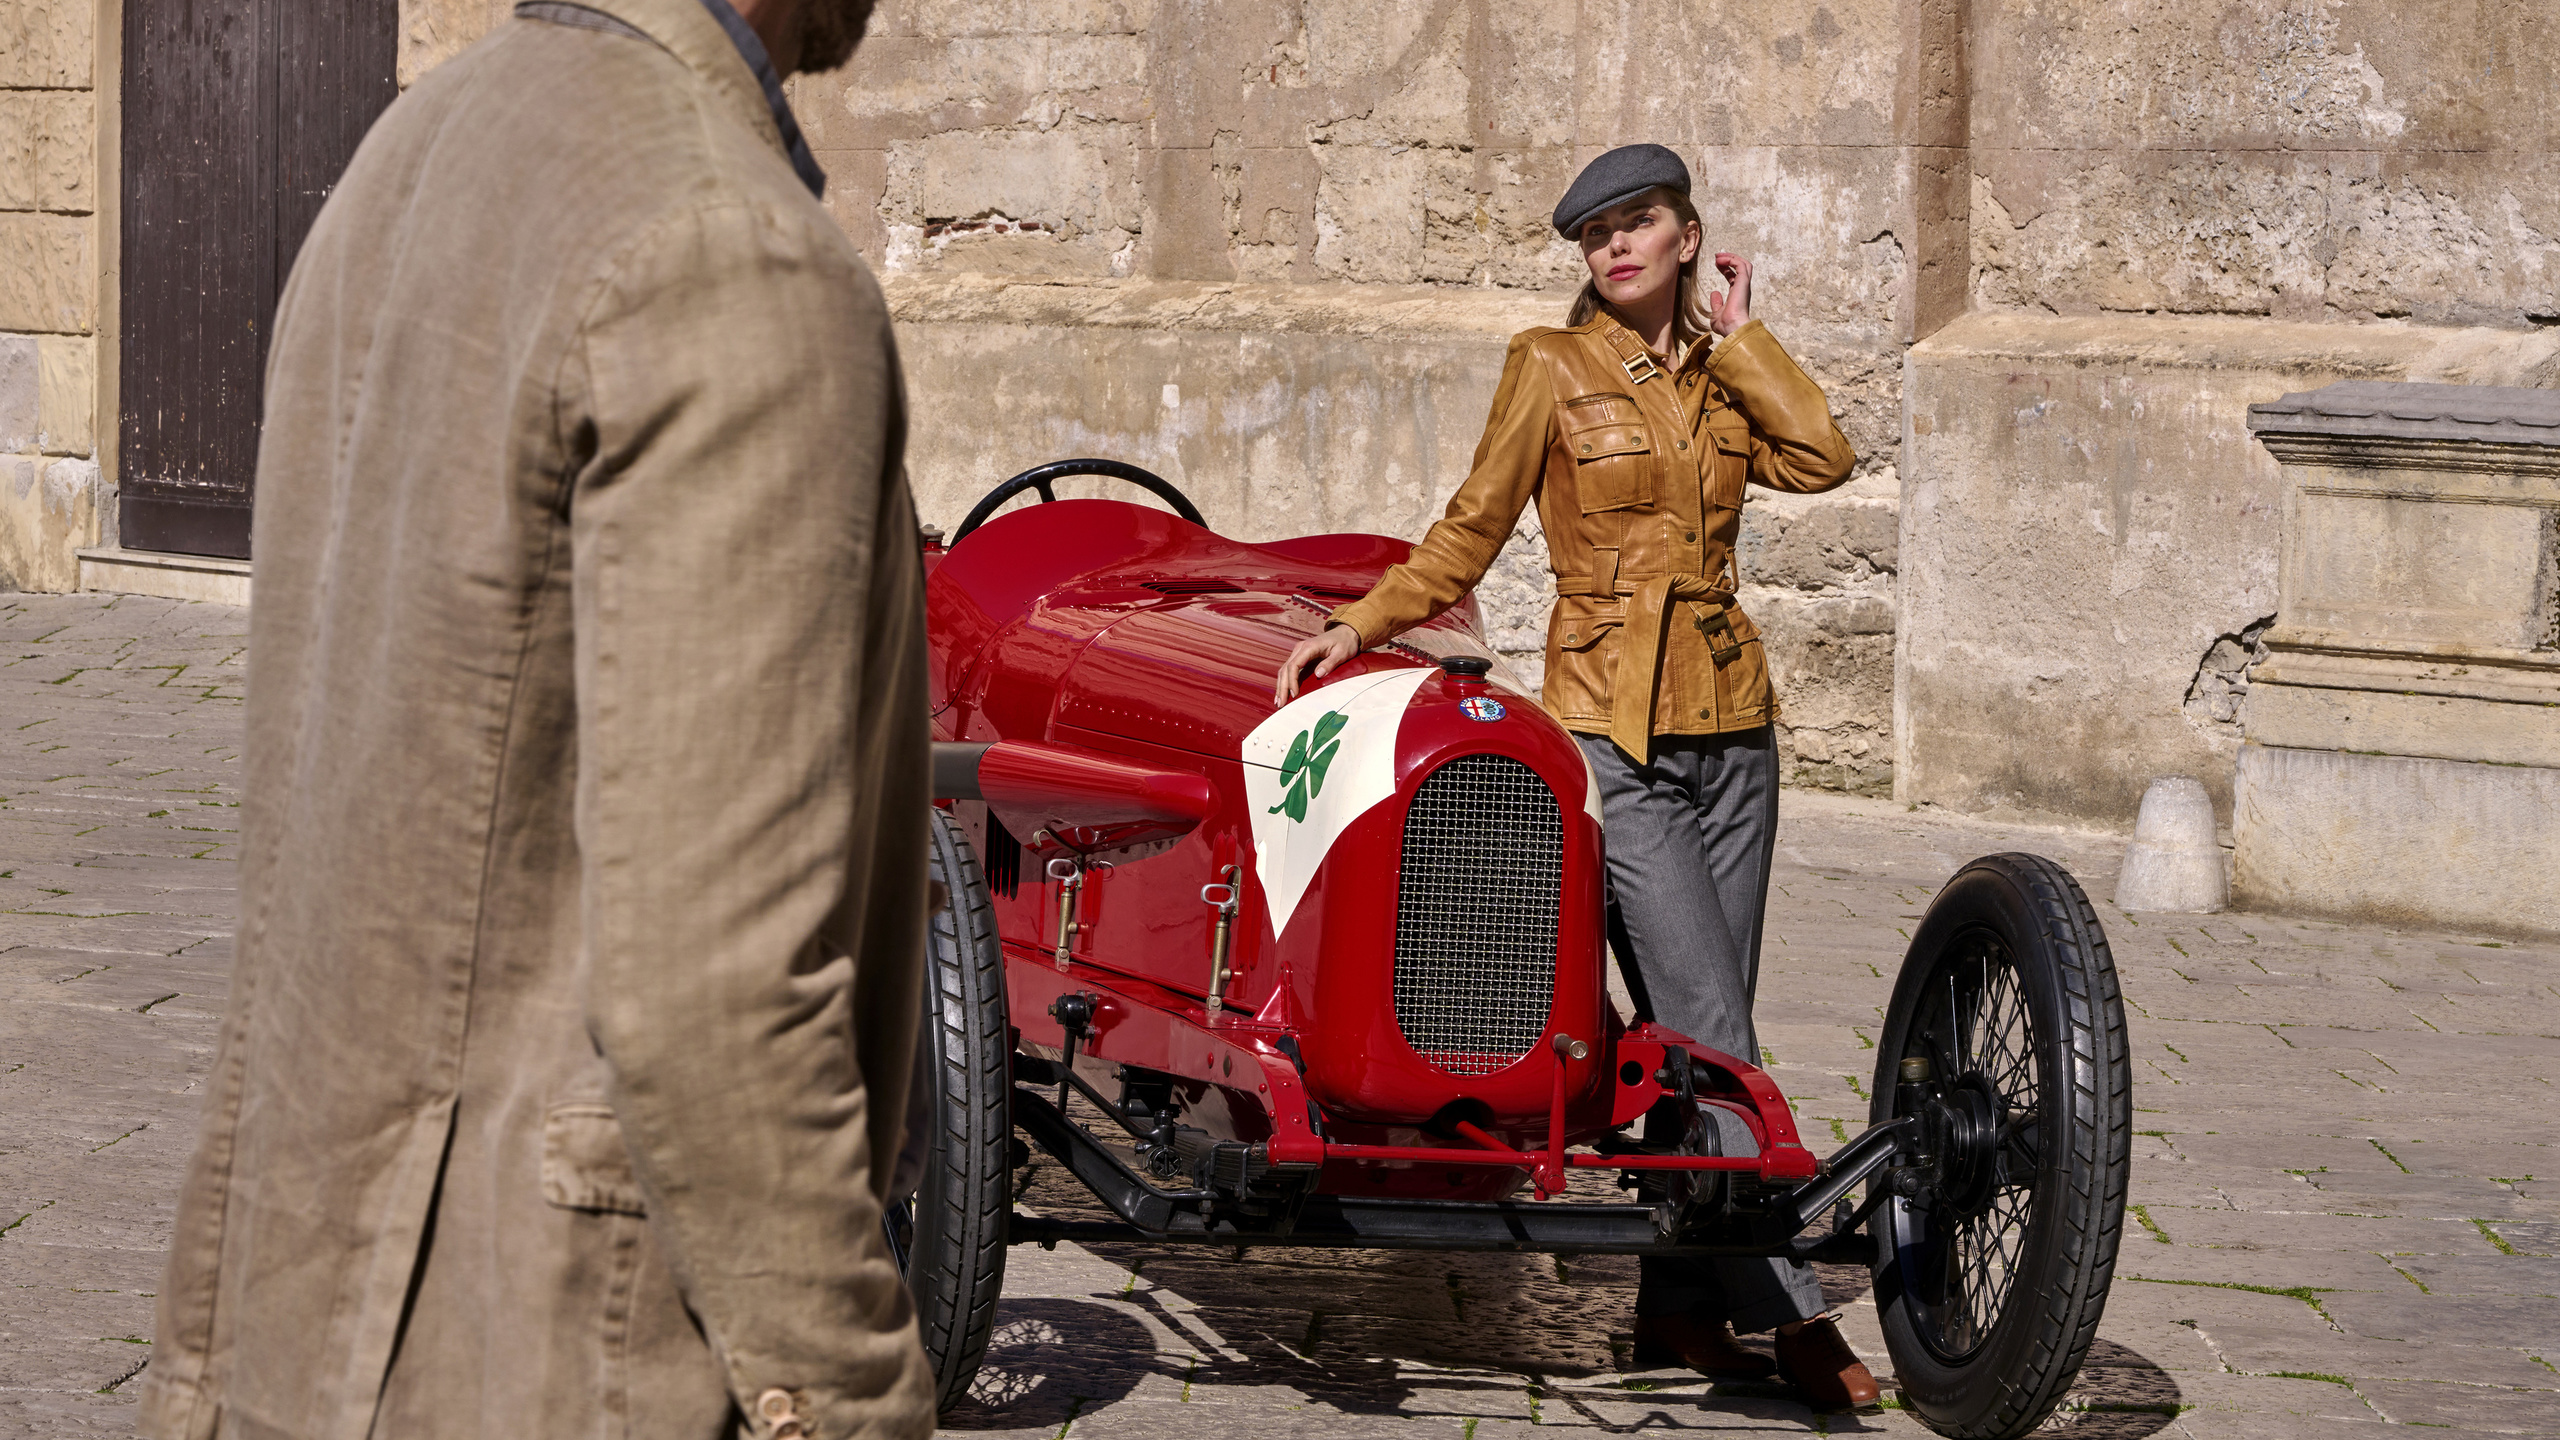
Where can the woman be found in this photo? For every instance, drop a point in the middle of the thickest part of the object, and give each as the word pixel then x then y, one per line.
pixel 1635 433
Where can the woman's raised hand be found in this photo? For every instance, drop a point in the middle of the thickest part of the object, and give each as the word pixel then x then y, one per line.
pixel 1338 643
pixel 1731 310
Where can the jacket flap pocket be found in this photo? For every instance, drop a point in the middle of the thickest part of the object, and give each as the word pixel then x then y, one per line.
pixel 1730 432
pixel 1581 623
pixel 1598 426
pixel 584 1164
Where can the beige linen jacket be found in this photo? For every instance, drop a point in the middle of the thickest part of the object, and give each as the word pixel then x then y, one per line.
pixel 1637 468
pixel 583 888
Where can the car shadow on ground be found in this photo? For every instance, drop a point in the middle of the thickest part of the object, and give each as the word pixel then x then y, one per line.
pixel 1405 1334
pixel 1533 1356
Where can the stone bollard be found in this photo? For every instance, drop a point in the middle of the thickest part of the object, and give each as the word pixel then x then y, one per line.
pixel 2174 863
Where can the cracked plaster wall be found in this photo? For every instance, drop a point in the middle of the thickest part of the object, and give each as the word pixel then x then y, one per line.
pixel 1271 248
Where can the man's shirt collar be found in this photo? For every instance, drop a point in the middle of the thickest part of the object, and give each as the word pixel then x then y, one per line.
pixel 752 50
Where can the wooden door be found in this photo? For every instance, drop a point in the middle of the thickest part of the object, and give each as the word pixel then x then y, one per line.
pixel 238 117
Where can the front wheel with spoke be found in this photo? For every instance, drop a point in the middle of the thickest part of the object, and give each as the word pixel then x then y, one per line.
pixel 2006 1041
pixel 949 1236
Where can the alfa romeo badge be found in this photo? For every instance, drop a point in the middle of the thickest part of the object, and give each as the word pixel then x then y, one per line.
pixel 1482 707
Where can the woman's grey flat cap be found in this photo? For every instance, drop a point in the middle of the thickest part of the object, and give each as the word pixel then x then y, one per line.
pixel 1615 178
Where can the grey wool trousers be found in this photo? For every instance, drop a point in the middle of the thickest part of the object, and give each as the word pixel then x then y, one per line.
pixel 1689 836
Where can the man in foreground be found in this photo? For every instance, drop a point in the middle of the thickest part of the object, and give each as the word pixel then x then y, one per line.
pixel 583 888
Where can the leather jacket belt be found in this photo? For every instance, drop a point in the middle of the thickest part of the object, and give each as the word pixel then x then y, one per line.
pixel 1649 602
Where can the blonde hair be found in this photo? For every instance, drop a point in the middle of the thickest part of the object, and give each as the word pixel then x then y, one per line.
pixel 1690 318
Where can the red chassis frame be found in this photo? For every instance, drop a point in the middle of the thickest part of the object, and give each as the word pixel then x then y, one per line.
pixel 1095 667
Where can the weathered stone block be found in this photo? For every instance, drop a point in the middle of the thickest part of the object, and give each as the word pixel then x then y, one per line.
pixel 898 86
pixel 2398 840
pixel 48 510
pixel 48 273
pixel 67 394
pixel 1022 202
pixel 47 43
pixel 1831 659
pixel 856 180
pixel 1186 240
pixel 1817 545
pixel 19 148
pixel 1011 17
pixel 2470 240
pixel 66 153
pixel 21 406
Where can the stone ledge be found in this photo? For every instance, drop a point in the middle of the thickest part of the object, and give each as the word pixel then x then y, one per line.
pixel 1365 311
pixel 2415 724
pixel 168 577
pixel 2384 350
pixel 1361 312
pixel 2495 414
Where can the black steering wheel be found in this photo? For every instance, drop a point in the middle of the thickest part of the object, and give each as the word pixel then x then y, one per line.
pixel 1038 478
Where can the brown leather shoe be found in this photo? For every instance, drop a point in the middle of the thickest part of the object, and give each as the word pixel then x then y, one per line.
pixel 1818 1361
pixel 1706 1346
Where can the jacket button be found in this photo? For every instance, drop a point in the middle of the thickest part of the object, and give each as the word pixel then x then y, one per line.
pixel 774 1404
pixel 1586 449
pixel 1691 537
pixel 1570 637
pixel 1635 437
pixel 1706 714
pixel 1681 444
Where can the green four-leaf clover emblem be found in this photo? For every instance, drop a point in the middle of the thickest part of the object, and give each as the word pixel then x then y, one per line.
pixel 1309 756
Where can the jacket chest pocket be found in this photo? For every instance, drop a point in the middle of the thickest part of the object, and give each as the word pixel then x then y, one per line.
pixel 1729 472
pixel 1611 445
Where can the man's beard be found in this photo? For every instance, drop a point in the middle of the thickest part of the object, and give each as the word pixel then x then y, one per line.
pixel 829 29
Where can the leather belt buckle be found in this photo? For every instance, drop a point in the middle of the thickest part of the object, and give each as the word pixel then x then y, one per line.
pixel 1717 627
pixel 1640 366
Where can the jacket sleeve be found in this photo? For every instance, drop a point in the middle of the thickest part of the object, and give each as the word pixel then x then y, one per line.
pixel 1462 543
pixel 1795 444
pixel 750 813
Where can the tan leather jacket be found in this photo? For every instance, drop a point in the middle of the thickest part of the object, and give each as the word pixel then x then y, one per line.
pixel 1638 472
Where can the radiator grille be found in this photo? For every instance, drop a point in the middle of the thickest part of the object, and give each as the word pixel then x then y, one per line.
pixel 1476 914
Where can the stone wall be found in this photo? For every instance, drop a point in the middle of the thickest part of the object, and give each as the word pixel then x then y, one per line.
pixel 2176 211
pixel 1274 249
pixel 2042 254
pixel 52 498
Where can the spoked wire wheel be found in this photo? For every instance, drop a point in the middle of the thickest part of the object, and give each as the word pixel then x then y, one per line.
pixel 949 1235
pixel 2005 1044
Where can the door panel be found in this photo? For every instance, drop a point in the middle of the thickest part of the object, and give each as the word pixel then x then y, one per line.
pixel 238 116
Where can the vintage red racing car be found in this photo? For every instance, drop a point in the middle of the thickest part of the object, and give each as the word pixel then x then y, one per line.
pixel 1330 974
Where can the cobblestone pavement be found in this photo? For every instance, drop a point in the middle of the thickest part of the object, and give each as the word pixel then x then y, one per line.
pixel 2348 1213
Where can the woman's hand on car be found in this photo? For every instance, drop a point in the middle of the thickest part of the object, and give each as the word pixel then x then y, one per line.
pixel 1338 643
pixel 1731 310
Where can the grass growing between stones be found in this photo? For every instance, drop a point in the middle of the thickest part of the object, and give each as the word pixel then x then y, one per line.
pixel 2307 1294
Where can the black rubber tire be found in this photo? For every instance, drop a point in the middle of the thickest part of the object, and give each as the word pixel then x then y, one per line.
pixel 950 1236
pixel 1990 1360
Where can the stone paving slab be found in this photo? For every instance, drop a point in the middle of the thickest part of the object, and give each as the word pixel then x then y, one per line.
pixel 2349 1197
